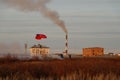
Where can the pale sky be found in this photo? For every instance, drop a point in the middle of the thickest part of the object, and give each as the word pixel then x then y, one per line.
pixel 90 23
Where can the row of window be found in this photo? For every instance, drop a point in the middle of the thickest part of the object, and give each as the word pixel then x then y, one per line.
pixel 34 50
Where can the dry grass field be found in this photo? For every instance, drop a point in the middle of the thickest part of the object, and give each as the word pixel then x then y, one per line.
pixel 12 68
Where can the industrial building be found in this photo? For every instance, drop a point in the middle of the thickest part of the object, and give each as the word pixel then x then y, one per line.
pixel 93 51
pixel 39 49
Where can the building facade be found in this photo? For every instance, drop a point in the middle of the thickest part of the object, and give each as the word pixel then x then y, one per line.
pixel 93 51
pixel 37 50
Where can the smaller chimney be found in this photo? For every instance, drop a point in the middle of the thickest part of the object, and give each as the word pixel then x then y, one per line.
pixel 25 48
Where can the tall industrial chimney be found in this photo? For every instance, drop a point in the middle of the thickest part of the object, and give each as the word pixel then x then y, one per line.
pixel 66 44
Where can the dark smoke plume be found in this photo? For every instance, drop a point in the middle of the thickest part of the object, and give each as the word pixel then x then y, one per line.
pixel 36 5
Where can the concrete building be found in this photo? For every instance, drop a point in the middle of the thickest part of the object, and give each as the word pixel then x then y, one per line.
pixel 37 50
pixel 93 51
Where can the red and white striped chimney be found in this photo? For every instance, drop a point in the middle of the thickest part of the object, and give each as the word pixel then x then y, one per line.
pixel 66 44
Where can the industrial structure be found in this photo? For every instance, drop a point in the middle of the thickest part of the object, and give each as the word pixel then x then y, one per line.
pixel 66 44
pixel 93 51
pixel 39 49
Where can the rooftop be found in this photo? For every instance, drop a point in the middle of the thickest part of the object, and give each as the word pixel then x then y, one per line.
pixel 39 46
pixel 94 47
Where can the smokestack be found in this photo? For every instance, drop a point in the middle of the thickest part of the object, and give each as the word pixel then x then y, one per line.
pixel 25 48
pixel 66 44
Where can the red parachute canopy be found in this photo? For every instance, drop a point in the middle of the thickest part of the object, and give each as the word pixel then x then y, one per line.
pixel 40 36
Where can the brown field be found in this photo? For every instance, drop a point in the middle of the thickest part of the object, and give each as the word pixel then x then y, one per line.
pixel 84 68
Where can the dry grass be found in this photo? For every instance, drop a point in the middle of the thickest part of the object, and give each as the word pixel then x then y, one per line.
pixel 12 68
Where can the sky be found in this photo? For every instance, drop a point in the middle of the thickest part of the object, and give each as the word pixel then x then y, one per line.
pixel 90 23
